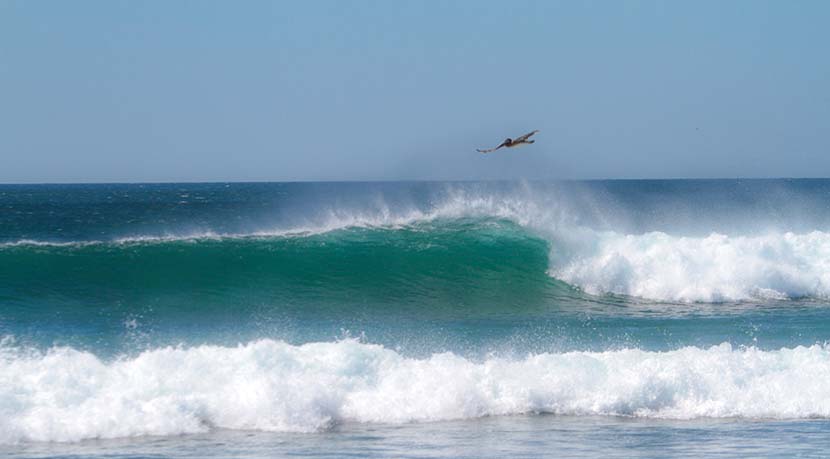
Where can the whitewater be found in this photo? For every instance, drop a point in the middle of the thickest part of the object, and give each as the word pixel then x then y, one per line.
pixel 67 395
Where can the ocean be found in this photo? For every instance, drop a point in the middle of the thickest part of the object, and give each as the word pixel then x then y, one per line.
pixel 632 318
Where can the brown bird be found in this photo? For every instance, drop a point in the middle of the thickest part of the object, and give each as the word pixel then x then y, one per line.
pixel 510 143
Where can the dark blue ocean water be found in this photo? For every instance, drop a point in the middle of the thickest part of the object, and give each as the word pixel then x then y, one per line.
pixel 497 319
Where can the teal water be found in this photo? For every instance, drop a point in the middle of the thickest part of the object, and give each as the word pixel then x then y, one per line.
pixel 282 319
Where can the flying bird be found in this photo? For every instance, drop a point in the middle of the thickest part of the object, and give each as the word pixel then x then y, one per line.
pixel 510 143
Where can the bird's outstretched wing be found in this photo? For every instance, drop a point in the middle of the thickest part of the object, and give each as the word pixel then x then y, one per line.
pixel 489 150
pixel 525 137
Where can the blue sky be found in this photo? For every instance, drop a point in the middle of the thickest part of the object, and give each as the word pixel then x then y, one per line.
pixel 111 91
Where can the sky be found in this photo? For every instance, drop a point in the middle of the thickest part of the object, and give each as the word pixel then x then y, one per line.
pixel 160 91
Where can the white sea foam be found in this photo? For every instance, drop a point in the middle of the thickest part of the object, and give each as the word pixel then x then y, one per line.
pixel 69 395
pixel 713 268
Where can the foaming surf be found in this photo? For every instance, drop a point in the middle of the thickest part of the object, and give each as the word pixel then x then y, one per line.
pixel 65 394
pixel 715 268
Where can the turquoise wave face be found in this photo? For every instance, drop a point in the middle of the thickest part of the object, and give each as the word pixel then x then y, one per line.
pixel 446 264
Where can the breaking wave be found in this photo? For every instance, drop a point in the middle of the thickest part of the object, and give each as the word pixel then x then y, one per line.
pixel 655 265
pixel 65 394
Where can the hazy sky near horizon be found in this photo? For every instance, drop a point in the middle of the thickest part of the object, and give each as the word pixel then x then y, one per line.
pixel 113 91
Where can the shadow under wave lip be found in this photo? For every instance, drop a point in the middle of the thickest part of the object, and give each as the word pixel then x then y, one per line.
pixel 614 303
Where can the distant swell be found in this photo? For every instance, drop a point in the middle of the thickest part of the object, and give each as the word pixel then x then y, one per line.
pixel 68 395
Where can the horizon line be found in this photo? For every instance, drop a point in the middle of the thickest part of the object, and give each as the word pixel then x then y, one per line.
pixel 205 182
